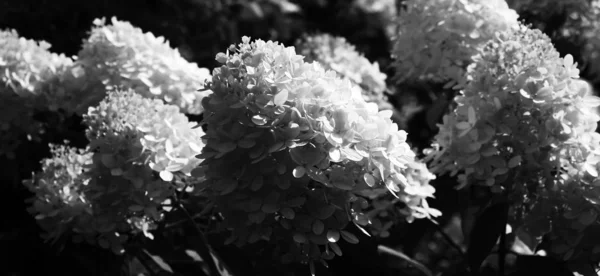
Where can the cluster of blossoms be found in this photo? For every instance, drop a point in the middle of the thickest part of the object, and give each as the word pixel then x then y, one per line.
pixel 141 152
pixel 122 56
pixel 25 66
pixel 581 24
pixel 526 123
pixel 292 151
pixel 386 210
pixel 437 39
pixel 335 53
pixel 58 189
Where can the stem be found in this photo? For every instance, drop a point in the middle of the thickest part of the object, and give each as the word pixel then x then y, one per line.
pixel 203 251
pixel 502 244
pixel 502 253
pixel 448 239
pixel 416 264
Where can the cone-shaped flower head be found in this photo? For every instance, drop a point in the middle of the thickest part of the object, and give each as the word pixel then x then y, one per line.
pixel 290 145
pixel 523 105
pixel 25 67
pixel 437 39
pixel 526 123
pixel 141 151
pixel 25 64
pixel 122 56
pixel 58 190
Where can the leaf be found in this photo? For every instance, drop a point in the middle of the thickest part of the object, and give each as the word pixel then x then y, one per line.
pixel 194 255
pixel 333 236
pixel 349 237
pixel 486 231
pixel 369 179
pixel 157 260
pixel 299 172
pixel 472 115
pixel 325 212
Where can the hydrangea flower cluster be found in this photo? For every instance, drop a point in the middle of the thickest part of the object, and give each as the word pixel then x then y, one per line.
pixel 581 25
pixel 126 126
pixel 523 100
pixel 335 53
pixel 386 210
pixel 122 56
pixel 25 66
pixel 527 119
pixel 437 39
pixel 141 152
pixel 290 147
pixel 58 189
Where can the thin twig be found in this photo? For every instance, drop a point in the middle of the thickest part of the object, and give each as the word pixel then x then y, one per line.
pixel 448 239
pixel 502 249
pixel 502 252
pixel 204 251
pixel 416 264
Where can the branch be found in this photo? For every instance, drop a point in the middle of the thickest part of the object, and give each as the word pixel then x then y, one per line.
pixel 416 264
pixel 448 239
pixel 203 251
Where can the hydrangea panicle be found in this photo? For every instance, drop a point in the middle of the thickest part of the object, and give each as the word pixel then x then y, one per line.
pixel 58 190
pixel 526 113
pixel 155 133
pixel 25 64
pixel 121 56
pixel 437 39
pixel 141 152
pixel 25 67
pixel 289 147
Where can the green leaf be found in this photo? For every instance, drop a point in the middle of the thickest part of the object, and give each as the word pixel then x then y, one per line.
pixel 349 237
pixel 486 231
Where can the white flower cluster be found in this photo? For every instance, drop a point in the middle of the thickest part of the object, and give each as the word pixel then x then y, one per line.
pixel 25 67
pixel 437 39
pixel 288 141
pixel 121 56
pixel 26 64
pixel 155 133
pixel 141 152
pixel 526 123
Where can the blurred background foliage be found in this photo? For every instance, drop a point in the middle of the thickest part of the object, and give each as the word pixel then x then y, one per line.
pixel 200 29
